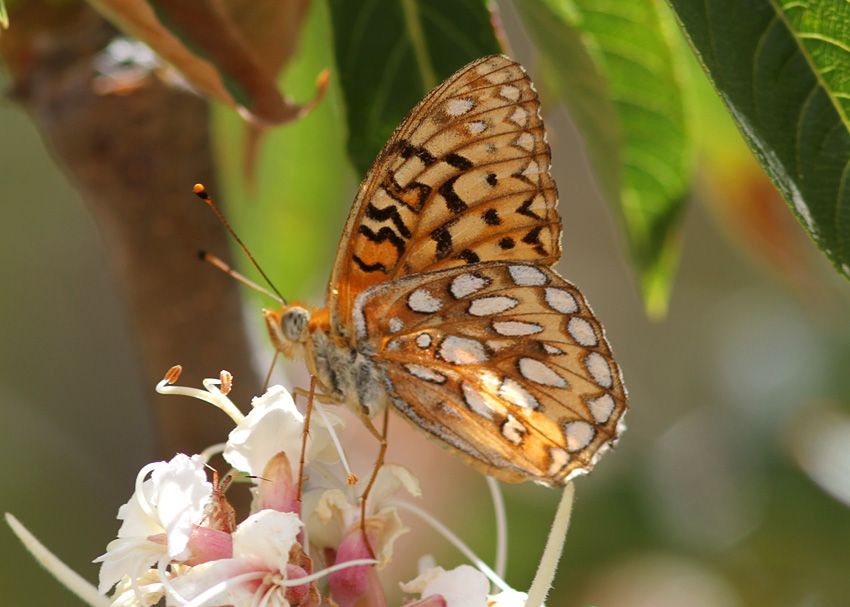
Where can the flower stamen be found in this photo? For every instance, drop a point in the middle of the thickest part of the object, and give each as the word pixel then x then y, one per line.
pixel 143 502
pixel 212 394
pixel 173 374
pixel 166 585
pixel 451 538
pixel 335 439
pixel 226 378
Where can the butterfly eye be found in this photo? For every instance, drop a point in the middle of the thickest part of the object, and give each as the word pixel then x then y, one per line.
pixel 293 324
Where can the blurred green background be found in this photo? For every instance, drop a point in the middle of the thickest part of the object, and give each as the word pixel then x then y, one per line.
pixel 730 487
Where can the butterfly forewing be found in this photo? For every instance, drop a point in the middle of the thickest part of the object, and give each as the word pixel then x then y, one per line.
pixel 464 179
pixel 503 362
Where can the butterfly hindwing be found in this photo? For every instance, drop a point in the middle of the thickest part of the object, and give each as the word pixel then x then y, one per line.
pixel 503 362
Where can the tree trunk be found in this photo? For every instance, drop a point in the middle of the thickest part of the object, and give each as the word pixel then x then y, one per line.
pixel 134 157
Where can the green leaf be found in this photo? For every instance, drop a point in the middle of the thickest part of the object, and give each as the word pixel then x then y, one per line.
pixel 4 16
pixel 391 53
pixel 783 70
pixel 617 67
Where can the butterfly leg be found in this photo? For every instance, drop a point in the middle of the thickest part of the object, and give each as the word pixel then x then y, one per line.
pixel 325 399
pixel 306 432
pixel 269 374
pixel 381 435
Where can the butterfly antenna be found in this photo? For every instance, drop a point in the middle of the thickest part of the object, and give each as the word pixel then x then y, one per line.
pixel 201 192
pixel 217 262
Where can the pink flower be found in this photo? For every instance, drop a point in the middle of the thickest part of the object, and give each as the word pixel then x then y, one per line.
pixel 266 564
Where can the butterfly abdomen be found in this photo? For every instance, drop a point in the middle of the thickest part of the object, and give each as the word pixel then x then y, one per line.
pixel 347 375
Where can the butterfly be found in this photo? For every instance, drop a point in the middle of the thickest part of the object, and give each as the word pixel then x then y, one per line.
pixel 443 303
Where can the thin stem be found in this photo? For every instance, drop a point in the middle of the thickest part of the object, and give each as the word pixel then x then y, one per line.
pixel 542 582
pixel 501 565
pixel 69 578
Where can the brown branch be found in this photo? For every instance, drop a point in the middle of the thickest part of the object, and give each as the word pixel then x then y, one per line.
pixel 134 158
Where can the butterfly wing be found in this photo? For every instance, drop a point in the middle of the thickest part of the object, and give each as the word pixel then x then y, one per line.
pixel 502 362
pixel 464 179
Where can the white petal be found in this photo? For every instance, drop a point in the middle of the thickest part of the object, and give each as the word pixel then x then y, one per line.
pixel 391 528
pixel 172 500
pixel 264 539
pixel 463 586
pixel 124 556
pixel 509 598
pixel 273 425
pixel 417 585
pixel 326 515
pixel 391 478
pixel 182 493
pixel 218 579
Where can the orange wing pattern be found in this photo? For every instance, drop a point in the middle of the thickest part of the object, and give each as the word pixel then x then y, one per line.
pixel 464 179
pixel 503 362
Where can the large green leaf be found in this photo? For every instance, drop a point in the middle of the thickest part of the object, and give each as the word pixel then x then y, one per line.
pixel 617 67
pixel 783 69
pixel 391 53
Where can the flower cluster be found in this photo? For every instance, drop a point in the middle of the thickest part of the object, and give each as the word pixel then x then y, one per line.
pixel 303 544
pixel 180 542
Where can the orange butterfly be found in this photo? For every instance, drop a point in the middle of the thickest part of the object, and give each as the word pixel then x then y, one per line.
pixel 443 303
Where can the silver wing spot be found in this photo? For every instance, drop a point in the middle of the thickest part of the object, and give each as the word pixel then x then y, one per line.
pixel 582 331
pixel 423 302
pixel 494 304
pixel 462 351
pixel 560 300
pixel 527 276
pixel 598 367
pixel 540 373
pixel 579 434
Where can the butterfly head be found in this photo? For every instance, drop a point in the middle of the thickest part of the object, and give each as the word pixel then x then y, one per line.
pixel 289 329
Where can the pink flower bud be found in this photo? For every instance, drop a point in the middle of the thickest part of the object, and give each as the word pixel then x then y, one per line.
pixel 277 491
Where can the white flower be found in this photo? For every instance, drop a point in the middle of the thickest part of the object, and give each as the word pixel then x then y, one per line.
pixel 274 425
pixel 508 598
pixel 333 520
pixel 463 586
pixel 260 572
pixel 332 514
pixel 171 502
pixel 169 545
